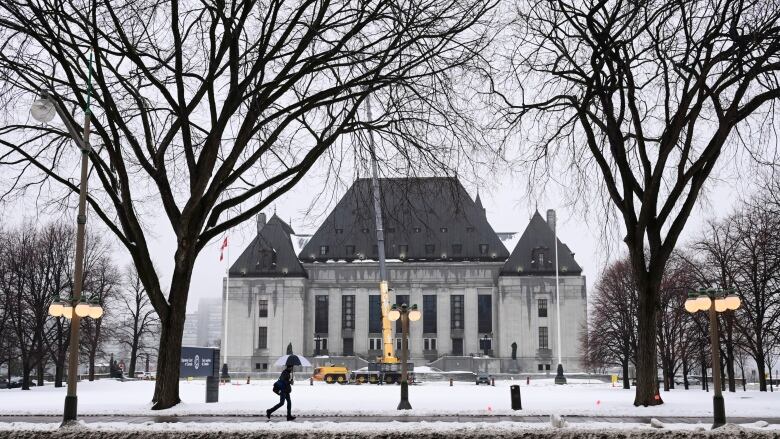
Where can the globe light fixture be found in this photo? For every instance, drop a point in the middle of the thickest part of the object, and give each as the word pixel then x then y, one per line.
pixel 704 302
pixel 414 313
pixel 394 313
pixel 43 109
pixel 67 310
pixel 721 304
pixel 691 305
pixel 82 309
pixel 95 310
pixel 732 301
pixel 55 309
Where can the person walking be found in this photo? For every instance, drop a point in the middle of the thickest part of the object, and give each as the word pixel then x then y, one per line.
pixel 284 385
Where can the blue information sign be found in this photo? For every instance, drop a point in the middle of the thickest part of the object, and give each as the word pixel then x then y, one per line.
pixel 199 362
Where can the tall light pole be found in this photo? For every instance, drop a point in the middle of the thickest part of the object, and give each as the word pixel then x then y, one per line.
pixel 559 377
pixel 405 313
pixel 44 110
pixel 714 301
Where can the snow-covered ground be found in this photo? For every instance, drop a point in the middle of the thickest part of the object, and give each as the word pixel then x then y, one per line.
pixel 321 430
pixel 542 397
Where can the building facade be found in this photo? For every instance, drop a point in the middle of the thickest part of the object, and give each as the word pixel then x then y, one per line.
pixel 477 298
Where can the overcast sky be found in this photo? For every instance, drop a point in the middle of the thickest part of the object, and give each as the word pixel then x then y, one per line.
pixel 508 210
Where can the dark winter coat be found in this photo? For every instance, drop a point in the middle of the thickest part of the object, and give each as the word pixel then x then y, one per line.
pixel 286 379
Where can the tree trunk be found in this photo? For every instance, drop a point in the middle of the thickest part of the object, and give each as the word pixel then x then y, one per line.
pixel 647 364
pixel 704 385
pixel 58 372
pixel 133 354
pixel 744 383
pixel 26 370
pixel 166 390
pixel 761 371
pixel 626 379
pixel 665 372
pixel 92 355
pixel 730 367
pixel 685 373
pixel 39 370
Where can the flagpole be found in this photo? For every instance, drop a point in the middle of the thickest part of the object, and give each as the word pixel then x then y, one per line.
pixel 559 377
pixel 225 374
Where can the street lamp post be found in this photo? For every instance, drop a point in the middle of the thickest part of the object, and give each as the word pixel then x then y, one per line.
pixel 405 313
pixel 714 301
pixel 44 110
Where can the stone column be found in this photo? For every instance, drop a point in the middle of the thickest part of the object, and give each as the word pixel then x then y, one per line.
pixel 443 340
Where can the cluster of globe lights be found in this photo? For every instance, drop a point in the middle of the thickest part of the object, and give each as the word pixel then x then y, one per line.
pixel 701 302
pixel 395 313
pixel 63 308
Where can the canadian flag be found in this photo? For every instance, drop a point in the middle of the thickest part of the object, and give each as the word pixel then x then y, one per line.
pixel 222 249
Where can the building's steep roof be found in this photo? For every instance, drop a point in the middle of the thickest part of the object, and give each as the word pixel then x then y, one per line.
pixel 423 219
pixel 270 254
pixel 536 244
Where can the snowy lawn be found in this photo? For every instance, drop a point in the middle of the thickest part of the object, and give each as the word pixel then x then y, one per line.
pixel 542 397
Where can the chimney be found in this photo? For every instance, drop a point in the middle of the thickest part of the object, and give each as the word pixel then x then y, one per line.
pixel 260 222
pixel 551 218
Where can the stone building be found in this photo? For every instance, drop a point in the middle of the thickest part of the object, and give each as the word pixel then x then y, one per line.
pixel 477 297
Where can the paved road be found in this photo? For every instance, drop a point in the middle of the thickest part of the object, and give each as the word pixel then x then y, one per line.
pixel 405 418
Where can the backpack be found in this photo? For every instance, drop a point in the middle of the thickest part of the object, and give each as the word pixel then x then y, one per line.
pixel 278 386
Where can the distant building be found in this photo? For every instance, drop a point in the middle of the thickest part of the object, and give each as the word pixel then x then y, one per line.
pixel 209 321
pixel 204 326
pixel 475 295
pixel 191 326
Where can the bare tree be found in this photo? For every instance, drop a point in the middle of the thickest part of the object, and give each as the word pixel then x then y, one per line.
pixel 214 110
pixel 101 282
pixel 612 317
pixel 675 325
pixel 59 243
pixel 30 300
pixel 6 328
pixel 650 94
pixel 137 320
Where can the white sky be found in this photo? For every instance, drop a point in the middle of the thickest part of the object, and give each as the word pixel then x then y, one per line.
pixel 508 210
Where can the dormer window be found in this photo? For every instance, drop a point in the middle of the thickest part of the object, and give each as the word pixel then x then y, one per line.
pixel 323 250
pixel 443 230
pixel 483 249
pixel 540 259
pixel 339 231
pixel 457 249
pixel 417 230
pixel 350 250
pixel 365 230
pixel 429 249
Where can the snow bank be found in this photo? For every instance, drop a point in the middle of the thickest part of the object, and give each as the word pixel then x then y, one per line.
pixel 356 429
